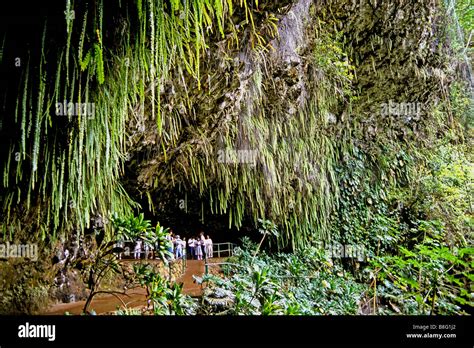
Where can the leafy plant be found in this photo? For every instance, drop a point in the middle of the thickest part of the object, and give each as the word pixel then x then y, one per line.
pixel 165 297
pixel 102 262
pixel 267 228
pixel 133 228
pixel 429 278
pixel 305 283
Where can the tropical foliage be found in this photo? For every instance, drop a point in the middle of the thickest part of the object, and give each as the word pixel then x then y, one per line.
pixel 164 297
pixel 309 122
pixel 137 228
pixel 304 283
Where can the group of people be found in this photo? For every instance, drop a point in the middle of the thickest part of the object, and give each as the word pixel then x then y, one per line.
pixel 177 246
pixel 142 247
pixel 198 248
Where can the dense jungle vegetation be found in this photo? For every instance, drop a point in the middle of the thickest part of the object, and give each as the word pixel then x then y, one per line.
pixel 310 124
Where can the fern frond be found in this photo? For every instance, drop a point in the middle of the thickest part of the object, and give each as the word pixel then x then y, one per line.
pixel 84 63
pixel 99 63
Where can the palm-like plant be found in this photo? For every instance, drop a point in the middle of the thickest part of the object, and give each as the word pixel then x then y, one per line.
pixel 96 267
pixel 132 228
pixel 266 228
pixel 166 298
pixel 161 243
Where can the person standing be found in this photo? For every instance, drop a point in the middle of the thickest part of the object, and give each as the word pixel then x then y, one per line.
pixel 138 249
pixel 202 242
pixel 148 249
pixel 120 245
pixel 169 237
pixel 191 247
pixel 145 249
pixel 178 247
pixel 183 247
pixel 198 249
pixel 209 247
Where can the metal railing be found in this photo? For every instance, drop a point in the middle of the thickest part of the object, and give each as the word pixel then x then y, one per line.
pixel 226 249
pixel 145 255
pixel 212 264
pixel 183 265
pixel 223 249
pixel 219 249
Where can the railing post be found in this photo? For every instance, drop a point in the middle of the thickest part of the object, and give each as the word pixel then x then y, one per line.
pixel 169 268
pixel 183 263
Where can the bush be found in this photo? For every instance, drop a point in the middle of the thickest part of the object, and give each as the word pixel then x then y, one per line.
pixel 24 287
pixel 305 283
pixel 430 278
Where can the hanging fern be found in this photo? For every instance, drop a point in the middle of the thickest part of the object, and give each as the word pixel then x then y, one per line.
pixel 219 16
pixel 24 113
pixel 84 63
pixel 80 159
pixel 82 37
pixel 99 63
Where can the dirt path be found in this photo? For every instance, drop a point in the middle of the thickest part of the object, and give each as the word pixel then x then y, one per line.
pixel 193 267
pixel 102 303
pixel 135 297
